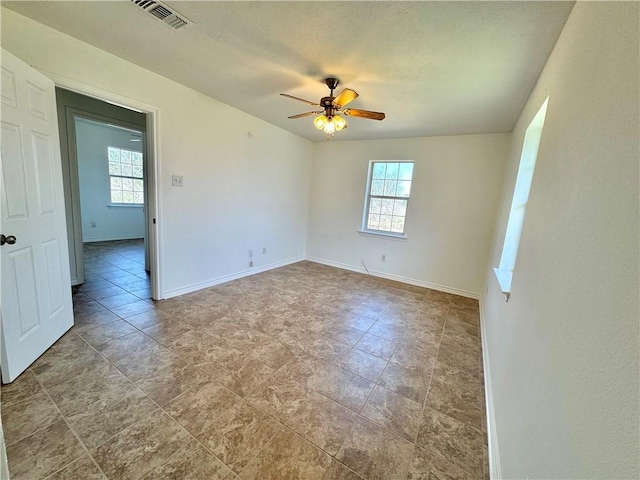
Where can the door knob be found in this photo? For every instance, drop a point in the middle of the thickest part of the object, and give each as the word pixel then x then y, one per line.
pixel 10 239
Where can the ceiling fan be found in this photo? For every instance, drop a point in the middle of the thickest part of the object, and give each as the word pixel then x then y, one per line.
pixel 329 119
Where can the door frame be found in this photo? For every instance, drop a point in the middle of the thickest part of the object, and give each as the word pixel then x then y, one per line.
pixel 71 115
pixel 152 151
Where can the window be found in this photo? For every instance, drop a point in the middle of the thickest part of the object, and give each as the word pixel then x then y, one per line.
pixel 126 176
pixel 388 189
pixel 521 191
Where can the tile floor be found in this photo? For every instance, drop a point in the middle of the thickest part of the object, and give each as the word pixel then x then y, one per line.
pixel 303 372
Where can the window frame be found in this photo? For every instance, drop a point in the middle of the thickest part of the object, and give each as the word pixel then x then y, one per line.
pixel 125 204
pixel 367 201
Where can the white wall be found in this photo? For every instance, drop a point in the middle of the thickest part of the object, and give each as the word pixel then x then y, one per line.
pixel 451 213
pixel 563 353
pixel 116 223
pixel 240 191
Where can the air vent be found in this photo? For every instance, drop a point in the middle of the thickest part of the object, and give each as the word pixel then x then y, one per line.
pixel 163 13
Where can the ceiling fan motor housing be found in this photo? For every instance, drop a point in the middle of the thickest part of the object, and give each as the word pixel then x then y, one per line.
pixel 327 102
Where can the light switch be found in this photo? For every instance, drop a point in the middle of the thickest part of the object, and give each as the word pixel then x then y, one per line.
pixel 176 180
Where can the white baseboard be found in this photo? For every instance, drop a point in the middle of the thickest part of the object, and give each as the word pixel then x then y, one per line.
pixel 494 456
pixel 112 237
pixel 397 278
pixel 227 278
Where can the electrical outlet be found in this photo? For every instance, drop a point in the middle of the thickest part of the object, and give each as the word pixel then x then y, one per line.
pixel 251 263
pixel 250 254
pixel 177 181
pixel 93 225
pixel 264 250
pixel 383 258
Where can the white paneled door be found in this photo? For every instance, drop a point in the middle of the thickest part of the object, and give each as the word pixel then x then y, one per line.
pixel 35 300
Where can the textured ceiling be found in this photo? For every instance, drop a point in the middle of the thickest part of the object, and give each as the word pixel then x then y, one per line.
pixel 435 68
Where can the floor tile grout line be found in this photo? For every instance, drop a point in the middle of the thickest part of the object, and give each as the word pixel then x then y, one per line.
pixel 161 408
pixel 142 419
pixel 248 402
pixel 375 384
pixel 71 463
pixel 7 445
pixel 355 412
pixel 358 475
pixel 424 407
pixel 358 414
pixel 69 426
pixel 133 384
pixel 424 403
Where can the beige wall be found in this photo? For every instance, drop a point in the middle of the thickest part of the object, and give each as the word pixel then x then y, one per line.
pixel 451 213
pixel 239 193
pixel 563 353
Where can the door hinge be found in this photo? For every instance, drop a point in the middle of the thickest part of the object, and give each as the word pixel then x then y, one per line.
pixel 154 221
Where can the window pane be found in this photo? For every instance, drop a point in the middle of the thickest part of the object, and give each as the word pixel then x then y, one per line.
pixel 127 197
pixel 374 205
pixel 126 155
pixel 137 171
pixel 114 168
pixel 138 185
pixel 385 223
pixel 127 169
pixel 387 207
pixel 404 188
pixel 114 154
pixel 116 196
pixel 136 158
pixel 116 183
pixel 127 184
pixel 400 207
pixel 138 197
pixel 406 171
pixel 373 222
pixel 392 170
pixel 397 225
pixel 377 187
pixel 390 188
pixel 378 170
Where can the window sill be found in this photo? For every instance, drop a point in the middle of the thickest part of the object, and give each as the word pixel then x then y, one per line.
pixel 391 236
pixel 504 280
pixel 124 205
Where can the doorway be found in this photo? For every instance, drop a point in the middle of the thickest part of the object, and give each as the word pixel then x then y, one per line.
pixel 107 182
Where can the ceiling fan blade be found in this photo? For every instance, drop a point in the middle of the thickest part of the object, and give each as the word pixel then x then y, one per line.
pixel 300 99
pixel 306 114
pixel 346 96
pixel 364 114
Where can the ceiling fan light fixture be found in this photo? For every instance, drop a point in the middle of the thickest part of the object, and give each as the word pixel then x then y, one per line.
pixel 329 127
pixel 320 121
pixel 339 122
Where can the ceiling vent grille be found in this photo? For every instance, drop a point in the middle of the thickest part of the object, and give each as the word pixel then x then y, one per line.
pixel 163 13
